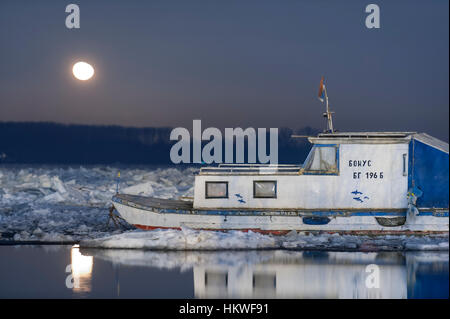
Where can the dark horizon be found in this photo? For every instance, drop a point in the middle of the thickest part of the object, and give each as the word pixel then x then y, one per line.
pixel 53 143
pixel 315 129
pixel 230 64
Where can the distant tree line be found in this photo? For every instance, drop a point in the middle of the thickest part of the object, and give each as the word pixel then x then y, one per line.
pixel 51 143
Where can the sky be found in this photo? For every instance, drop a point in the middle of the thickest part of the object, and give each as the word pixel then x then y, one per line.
pixel 228 63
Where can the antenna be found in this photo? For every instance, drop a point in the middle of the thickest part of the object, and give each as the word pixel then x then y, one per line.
pixel 328 114
pixel 323 94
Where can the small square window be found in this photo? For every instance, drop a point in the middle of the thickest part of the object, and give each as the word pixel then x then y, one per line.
pixel 216 189
pixel 264 189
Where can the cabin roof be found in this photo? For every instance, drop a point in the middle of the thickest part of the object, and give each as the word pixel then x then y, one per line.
pixel 378 138
pixel 362 138
pixel 432 141
pixel 366 134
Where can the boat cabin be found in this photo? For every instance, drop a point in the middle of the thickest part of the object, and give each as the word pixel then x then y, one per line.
pixel 350 170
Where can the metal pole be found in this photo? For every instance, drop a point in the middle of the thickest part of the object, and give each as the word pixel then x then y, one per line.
pixel 118 181
pixel 329 118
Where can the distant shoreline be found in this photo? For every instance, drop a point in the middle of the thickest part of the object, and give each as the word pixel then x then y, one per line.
pixel 67 144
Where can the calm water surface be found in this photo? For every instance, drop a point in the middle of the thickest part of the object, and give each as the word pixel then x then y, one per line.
pixel 71 272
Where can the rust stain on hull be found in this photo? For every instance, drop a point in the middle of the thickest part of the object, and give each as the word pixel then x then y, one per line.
pixel 317 232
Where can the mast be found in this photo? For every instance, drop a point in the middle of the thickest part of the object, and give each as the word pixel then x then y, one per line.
pixel 328 114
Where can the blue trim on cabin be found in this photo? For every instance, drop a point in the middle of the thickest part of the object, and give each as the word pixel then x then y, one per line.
pixel 429 171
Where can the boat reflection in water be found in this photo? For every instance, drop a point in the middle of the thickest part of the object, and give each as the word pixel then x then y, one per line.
pixel 299 274
pixel 304 275
pixel 81 268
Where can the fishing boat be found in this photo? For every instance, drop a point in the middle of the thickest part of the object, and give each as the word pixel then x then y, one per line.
pixel 382 182
pixel 351 182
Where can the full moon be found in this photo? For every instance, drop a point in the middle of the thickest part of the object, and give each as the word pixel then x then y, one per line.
pixel 83 71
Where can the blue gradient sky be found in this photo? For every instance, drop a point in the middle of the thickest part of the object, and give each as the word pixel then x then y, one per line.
pixel 228 63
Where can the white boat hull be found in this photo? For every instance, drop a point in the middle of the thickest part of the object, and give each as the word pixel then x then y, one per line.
pixel 149 219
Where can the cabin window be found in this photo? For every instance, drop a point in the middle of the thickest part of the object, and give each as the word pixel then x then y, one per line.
pixel 216 189
pixel 265 189
pixel 323 159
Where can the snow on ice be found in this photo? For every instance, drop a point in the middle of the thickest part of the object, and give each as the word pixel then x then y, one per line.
pixel 70 204
pixel 189 239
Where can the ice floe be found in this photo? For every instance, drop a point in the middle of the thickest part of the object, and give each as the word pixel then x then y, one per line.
pixel 189 239
pixel 54 203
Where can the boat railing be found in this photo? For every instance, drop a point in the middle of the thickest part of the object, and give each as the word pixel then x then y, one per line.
pixel 257 165
pixel 285 169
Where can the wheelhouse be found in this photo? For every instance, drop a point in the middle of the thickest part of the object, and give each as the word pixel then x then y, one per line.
pixel 342 170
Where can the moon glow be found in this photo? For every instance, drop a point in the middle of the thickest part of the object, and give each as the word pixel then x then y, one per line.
pixel 82 71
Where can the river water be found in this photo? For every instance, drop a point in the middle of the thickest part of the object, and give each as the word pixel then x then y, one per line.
pixel 64 271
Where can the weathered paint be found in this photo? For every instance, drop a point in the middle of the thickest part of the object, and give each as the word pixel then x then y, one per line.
pixel 324 191
pixel 344 223
pixel 255 230
pixel 122 199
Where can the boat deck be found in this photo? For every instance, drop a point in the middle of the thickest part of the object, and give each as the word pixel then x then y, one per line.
pixel 174 205
pixel 152 202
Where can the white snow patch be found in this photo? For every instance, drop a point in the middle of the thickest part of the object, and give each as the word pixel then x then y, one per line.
pixel 188 239
pixel 53 198
pixel 143 189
